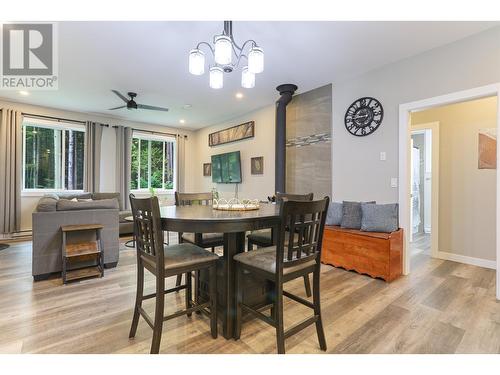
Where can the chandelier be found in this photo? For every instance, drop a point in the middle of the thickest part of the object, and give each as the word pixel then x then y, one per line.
pixel 223 49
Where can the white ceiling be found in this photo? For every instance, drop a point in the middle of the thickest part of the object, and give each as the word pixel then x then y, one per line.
pixel 150 58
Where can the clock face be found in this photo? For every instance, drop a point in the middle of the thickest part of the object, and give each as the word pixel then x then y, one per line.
pixel 363 116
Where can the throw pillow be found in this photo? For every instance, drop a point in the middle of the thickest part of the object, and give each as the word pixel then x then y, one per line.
pixel 334 214
pixel 351 215
pixel 379 217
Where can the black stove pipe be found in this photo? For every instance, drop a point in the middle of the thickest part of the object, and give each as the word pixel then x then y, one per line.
pixel 286 91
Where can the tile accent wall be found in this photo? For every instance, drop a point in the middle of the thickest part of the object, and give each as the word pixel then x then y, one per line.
pixel 308 151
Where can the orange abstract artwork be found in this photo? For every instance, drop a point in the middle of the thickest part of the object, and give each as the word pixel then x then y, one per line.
pixel 487 156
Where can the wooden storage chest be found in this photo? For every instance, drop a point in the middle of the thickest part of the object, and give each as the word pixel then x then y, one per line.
pixel 372 253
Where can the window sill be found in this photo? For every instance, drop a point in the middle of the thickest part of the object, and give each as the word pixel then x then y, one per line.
pixel 157 192
pixel 42 192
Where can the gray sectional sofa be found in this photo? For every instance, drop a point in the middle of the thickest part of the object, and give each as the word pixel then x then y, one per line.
pixel 56 210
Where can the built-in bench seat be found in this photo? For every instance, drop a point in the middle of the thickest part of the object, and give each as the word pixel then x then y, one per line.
pixel 373 253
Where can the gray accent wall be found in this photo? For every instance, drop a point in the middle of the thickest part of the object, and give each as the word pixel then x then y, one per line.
pixel 357 171
pixel 308 149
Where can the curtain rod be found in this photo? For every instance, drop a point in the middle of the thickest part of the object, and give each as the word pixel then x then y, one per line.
pixel 154 132
pixel 52 118
pixel 83 122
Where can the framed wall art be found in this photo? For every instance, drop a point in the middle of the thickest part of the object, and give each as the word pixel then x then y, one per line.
pixel 257 165
pixel 233 134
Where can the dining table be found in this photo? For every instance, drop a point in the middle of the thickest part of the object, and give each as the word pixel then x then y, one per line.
pixel 234 225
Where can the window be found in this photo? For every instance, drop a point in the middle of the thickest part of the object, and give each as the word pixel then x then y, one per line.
pixel 153 162
pixel 53 155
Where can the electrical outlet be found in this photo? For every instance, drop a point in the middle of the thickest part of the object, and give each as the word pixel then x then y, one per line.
pixel 383 156
pixel 394 182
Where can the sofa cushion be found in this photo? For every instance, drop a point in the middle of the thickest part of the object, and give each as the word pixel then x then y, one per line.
pixel 67 205
pixel 100 196
pixel 47 203
pixel 379 217
pixel 351 214
pixel 70 196
pixel 334 214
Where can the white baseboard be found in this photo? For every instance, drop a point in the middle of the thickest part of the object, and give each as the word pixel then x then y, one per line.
pixel 467 260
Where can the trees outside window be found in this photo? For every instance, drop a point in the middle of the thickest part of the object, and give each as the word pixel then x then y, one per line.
pixel 54 155
pixel 153 162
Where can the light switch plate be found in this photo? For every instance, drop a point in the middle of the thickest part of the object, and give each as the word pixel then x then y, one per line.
pixel 383 156
pixel 394 182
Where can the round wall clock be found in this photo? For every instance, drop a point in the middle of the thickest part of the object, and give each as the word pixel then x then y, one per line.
pixel 363 116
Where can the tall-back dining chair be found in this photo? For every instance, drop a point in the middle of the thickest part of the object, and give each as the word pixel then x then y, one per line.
pixel 205 240
pixel 288 260
pixel 166 261
pixel 264 237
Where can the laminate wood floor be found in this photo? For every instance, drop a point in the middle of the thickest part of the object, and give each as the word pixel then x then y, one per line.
pixel 421 242
pixel 442 307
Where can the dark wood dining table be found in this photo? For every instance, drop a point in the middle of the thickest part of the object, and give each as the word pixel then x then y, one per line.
pixel 234 224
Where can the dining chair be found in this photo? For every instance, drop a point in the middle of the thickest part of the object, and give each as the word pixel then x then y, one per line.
pixel 284 262
pixel 264 237
pixel 205 240
pixel 165 261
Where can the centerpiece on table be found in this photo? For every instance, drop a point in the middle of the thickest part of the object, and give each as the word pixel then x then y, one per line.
pixel 235 204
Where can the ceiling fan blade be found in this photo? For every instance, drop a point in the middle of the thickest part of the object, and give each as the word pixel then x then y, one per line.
pixel 121 96
pixel 122 106
pixel 151 107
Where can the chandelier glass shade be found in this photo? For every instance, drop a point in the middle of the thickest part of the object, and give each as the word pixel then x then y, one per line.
pixel 227 56
pixel 247 78
pixel 196 62
pixel 256 60
pixel 216 77
pixel 223 50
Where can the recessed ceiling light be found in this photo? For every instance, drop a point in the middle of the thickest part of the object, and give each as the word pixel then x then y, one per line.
pixel 187 106
pixel 182 121
pixel 239 95
pixel 24 93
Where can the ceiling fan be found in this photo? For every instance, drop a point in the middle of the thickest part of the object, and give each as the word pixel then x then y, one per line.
pixel 131 103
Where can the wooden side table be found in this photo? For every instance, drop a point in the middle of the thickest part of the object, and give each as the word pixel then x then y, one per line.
pixel 75 251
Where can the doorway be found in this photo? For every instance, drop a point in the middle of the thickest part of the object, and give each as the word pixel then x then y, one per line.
pixel 424 197
pixel 405 110
pixel 420 238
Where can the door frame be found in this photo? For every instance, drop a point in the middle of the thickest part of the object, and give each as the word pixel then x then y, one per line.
pixel 404 160
pixel 434 128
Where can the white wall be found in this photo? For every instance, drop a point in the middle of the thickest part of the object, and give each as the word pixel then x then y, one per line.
pixel 467 195
pixel 357 172
pixel 108 151
pixel 252 186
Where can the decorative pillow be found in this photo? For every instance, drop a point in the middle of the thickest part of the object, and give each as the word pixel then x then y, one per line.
pixel 351 215
pixel 85 200
pixel 334 214
pixel 379 217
